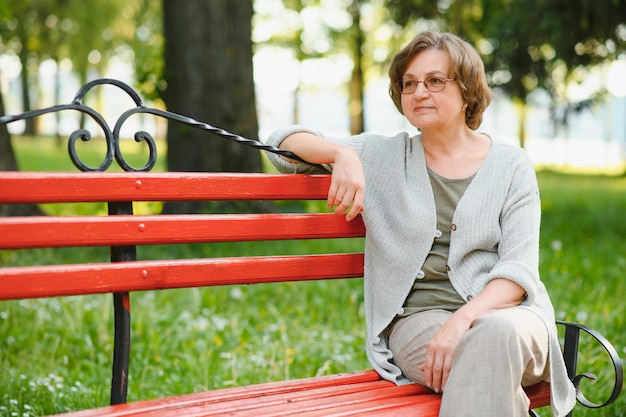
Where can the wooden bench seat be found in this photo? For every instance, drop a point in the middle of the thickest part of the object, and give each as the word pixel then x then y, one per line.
pixel 353 394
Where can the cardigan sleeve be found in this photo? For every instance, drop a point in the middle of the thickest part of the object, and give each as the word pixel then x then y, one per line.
pixel 287 167
pixel 520 219
pixel 356 142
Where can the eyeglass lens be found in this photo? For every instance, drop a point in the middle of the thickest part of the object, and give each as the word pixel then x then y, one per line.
pixel 432 84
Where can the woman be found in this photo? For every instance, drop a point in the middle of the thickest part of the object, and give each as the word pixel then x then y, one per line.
pixel 453 298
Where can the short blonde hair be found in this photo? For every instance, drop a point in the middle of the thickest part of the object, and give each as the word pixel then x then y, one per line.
pixel 466 67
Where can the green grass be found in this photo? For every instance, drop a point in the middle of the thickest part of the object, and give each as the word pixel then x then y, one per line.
pixel 56 353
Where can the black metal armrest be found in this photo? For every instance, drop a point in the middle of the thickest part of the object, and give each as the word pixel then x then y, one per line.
pixel 570 354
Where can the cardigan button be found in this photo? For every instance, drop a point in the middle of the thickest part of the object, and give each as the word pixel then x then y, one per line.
pixel 447 268
pixel 469 298
pixel 438 234
pixel 420 274
pixel 453 227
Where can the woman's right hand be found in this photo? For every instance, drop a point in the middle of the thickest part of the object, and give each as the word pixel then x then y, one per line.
pixel 347 187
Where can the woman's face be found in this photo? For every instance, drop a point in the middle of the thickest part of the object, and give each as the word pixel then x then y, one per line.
pixel 434 111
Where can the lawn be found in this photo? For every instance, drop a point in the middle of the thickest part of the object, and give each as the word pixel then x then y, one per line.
pixel 56 353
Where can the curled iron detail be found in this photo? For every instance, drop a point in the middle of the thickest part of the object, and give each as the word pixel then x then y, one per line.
pixel 85 136
pixel 113 136
pixel 574 330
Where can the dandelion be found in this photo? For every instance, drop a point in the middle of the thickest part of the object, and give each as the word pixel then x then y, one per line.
pixel 236 293
pixel 219 323
pixel 582 316
pixel 556 245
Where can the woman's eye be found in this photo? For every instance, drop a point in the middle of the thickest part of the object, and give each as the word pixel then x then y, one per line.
pixel 409 83
pixel 434 81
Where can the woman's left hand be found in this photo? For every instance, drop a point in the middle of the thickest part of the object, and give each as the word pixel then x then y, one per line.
pixel 498 293
pixel 440 350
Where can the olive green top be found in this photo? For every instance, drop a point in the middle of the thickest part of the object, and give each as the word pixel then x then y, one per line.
pixel 432 288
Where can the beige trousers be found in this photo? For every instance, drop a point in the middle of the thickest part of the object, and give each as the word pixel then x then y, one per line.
pixel 501 353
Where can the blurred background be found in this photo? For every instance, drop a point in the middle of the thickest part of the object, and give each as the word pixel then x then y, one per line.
pixel 557 67
pixel 558 71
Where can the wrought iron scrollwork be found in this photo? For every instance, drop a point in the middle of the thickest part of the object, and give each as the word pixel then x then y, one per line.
pixel 570 353
pixel 112 136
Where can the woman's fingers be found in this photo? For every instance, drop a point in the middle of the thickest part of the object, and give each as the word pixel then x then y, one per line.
pixel 435 371
pixel 347 200
pixel 347 187
pixel 357 206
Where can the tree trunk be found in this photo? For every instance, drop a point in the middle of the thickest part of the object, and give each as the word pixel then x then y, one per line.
pixel 208 69
pixel 522 111
pixel 357 119
pixel 29 127
pixel 9 163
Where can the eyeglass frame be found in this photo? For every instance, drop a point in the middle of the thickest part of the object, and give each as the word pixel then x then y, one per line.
pixel 425 82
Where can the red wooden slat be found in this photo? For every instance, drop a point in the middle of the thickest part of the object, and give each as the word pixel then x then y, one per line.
pixel 42 232
pixel 426 405
pixel 402 407
pixel 356 401
pixel 63 280
pixel 321 405
pixel 282 403
pixel 228 394
pixel 54 187
pixel 539 395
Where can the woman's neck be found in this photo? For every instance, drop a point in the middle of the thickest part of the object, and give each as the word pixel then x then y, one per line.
pixel 456 157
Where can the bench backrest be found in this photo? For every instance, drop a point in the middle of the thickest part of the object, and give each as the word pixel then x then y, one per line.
pixel 129 230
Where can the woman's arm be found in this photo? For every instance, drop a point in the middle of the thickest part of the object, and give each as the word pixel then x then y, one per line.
pixel 347 188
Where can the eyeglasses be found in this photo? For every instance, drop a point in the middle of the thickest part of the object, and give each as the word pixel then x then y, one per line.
pixel 432 84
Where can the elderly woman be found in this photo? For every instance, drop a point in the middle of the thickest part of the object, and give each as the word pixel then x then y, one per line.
pixel 453 298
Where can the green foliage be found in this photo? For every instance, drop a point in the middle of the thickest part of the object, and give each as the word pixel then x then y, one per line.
pixel 529 44
pixel 89 37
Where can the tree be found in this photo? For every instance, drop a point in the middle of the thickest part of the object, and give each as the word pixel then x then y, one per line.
pixel 208 70
pixel 9 163
pixel 7 156
pixel 288 32
pixel 564 41
pixel 531 44
pixel 36 30
pixel 351 28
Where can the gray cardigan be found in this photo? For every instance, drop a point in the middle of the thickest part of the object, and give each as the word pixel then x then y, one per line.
pixel 497 235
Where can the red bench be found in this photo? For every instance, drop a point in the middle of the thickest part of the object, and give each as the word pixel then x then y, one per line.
pixel 360 393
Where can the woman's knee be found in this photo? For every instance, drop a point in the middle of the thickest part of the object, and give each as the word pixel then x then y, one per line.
pixel 511 329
